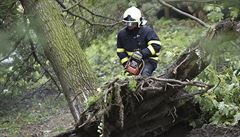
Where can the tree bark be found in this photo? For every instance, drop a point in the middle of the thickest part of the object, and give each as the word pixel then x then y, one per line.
pixel 63 51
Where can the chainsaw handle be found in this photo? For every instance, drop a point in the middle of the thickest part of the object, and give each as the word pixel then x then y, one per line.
pixel 143 63
pixel 125 66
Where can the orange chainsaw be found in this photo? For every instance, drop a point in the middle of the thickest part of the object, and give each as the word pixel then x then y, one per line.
pixel 135 63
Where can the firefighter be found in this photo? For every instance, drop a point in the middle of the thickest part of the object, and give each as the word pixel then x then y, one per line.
pixel 137 37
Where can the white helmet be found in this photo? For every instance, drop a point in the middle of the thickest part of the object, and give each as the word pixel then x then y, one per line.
pixel 132 15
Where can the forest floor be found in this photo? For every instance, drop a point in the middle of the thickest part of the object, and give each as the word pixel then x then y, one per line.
pixel 182 130
pixel 43 114
pixel 46 116
pixel 51 126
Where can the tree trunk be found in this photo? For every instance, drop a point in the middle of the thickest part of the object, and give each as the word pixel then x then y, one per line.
pixel 63 51
pixel 166 12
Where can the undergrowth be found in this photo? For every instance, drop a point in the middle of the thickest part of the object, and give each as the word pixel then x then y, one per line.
pixel 16 114
pixel 220 106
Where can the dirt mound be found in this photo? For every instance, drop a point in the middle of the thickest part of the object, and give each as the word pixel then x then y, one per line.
pixel 215 131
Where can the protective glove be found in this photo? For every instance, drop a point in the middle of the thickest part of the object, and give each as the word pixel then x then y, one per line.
pixel 137 55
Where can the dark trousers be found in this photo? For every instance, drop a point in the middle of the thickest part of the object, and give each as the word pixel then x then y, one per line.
pixel 149 67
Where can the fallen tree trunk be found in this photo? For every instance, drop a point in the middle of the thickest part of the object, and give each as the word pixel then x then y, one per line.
pixel 156 103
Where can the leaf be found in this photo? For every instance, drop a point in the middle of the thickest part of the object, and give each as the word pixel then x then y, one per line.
pixel 132 84
pixel 208 7
pixel 234 12
pixel 236 118
pixel 215 16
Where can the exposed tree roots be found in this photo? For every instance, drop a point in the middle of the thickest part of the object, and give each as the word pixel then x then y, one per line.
pixel 157 103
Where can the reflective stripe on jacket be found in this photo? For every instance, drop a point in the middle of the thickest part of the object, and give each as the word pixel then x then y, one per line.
pixel 143 38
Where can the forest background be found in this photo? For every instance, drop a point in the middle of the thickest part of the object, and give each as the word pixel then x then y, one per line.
pixel 31 99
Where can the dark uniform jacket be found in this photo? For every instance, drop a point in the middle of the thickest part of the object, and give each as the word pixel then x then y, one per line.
pixel 142 38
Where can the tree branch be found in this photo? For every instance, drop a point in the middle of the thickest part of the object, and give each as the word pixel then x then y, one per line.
pixel 86 20
pixel 190 95
pixel 15 47
pixel 35 91
pixel 78 4
pixel 69 8
pixel 7 4
pixel 41 64
pixel 8 79
pixel 183 83
pixel 184 13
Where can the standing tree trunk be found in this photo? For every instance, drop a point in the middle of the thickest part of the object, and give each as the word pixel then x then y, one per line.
pixel 64 52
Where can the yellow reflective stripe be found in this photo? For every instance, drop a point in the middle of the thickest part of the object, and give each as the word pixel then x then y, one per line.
pixel 154 58
pixel 120 49
pixel 124 60
pixel 152 50
pixel 154 42
pixel 129 53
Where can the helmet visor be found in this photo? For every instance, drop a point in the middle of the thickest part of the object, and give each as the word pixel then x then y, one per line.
pixel 129 19
pixel 131 24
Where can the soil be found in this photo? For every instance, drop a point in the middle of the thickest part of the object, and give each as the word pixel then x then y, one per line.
pixel 54 125
pixel 179 130
pixel 215 131
pixel 182 130
pixel 63 121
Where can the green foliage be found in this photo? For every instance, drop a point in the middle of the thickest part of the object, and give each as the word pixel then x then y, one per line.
pixel 103 58
pixel 93 99
pixel 19 71
pixel 175 36
pixel 132 84
pixel 149 10
pixel 223 9
pixel 215 12
pixel 221 105
pixel 8 7
pixel 15 116
pixel 22 75
pixel 4 48
pixel 234 12
pixel 10 36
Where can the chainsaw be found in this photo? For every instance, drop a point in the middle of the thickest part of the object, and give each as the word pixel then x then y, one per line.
pixel 135 64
